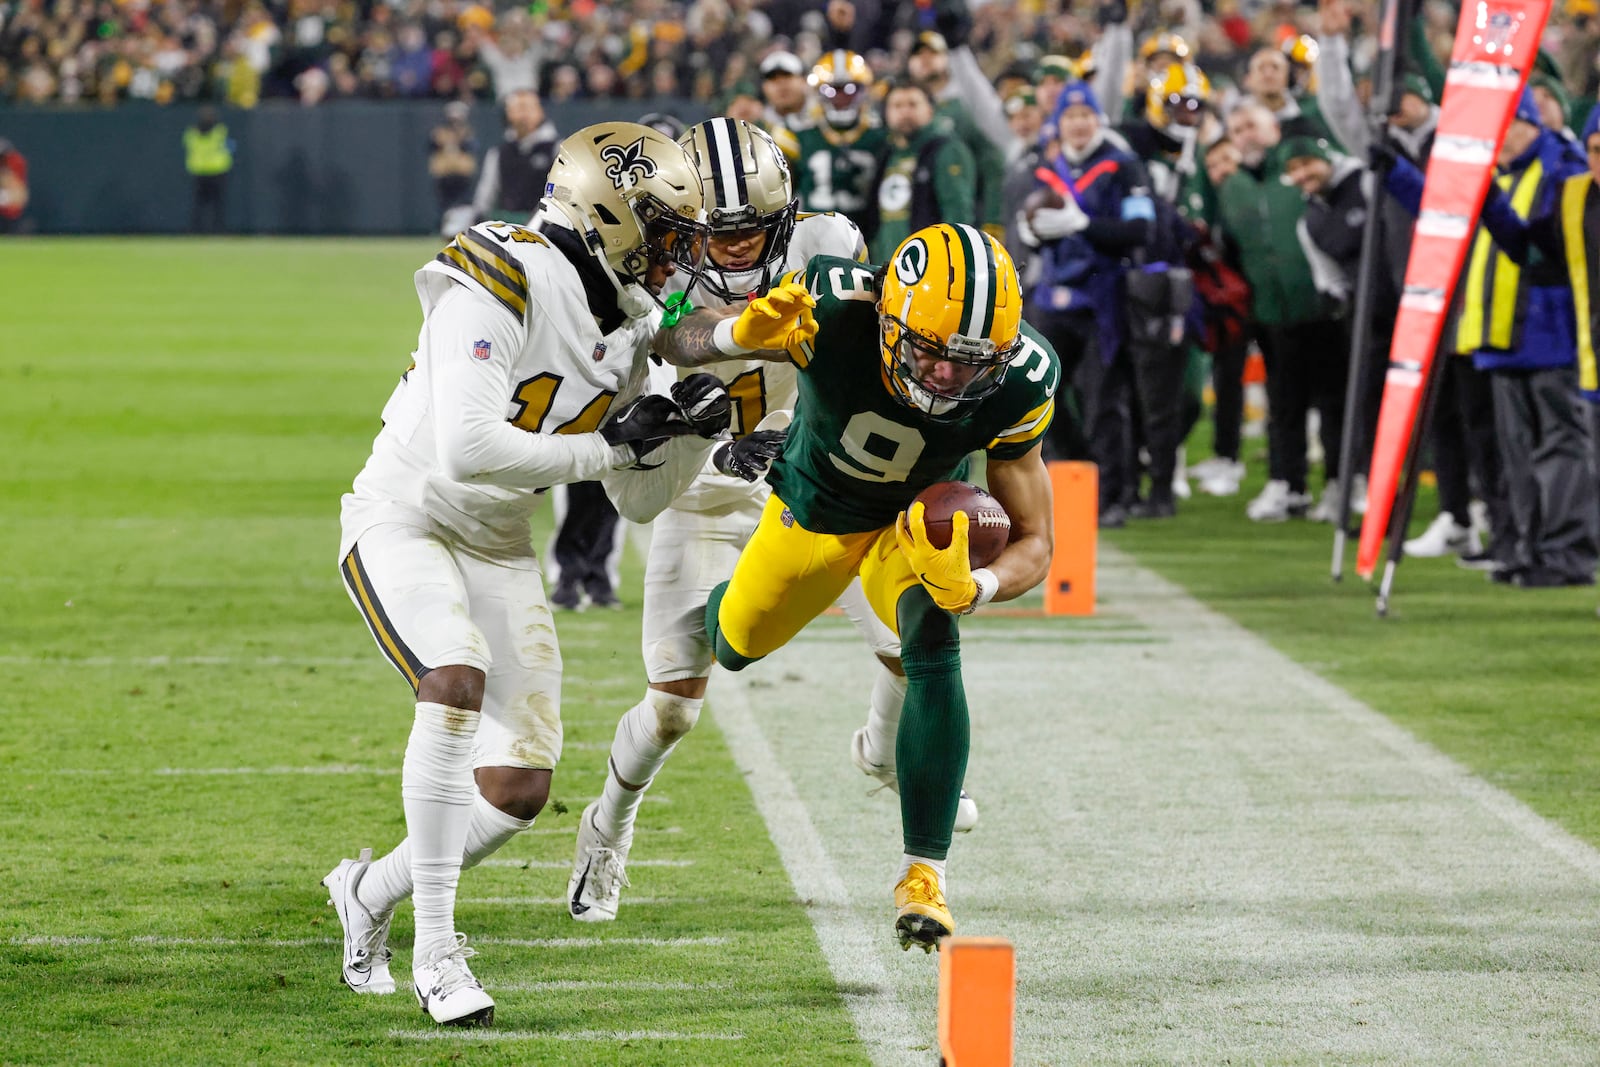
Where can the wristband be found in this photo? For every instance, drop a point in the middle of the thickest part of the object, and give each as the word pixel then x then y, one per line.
pixel 722 339
pixel 988 586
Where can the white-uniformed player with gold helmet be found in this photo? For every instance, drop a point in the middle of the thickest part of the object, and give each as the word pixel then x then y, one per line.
pixel 530 371
pixel 756 235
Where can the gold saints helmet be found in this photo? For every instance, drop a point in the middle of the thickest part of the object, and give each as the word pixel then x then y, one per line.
pixel 843 83
pixel 748 191
pixel 633 195
pixel 949 318
pixel 1178 97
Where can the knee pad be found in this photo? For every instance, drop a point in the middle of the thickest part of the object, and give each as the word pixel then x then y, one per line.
pixel 674 715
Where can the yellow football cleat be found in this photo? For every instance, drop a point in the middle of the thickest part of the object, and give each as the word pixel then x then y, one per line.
pixel 923 917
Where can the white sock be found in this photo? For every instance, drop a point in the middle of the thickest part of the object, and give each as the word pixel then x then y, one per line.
pixel 883 717
pixel 388 881
pixel 908 859
pixel 436 784
pixel 645 737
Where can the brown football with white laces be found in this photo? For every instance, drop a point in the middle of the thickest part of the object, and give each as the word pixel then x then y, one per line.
pixel 988 525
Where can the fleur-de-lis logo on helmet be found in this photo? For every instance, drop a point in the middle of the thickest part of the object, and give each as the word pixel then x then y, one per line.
pixel 623 162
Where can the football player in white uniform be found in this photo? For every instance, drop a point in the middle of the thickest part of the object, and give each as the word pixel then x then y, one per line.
pixel 530 371
pixel 756 235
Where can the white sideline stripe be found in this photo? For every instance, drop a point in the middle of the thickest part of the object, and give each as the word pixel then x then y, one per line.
pixel 1582 856
pixel 587 1036
pixel 604 985
pixel 848 945
pixel 498 902
pixel 552 865
pixel 64 941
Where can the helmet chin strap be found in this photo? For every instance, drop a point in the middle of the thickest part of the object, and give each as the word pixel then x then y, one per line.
pixel 633 299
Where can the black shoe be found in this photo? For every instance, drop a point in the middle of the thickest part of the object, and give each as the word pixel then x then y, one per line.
pixel 1113 517
pixel 1545 578
pixel 1479 561
pixel 1505 574
pixel 604 598
pixel 566 597
pixel 1159 506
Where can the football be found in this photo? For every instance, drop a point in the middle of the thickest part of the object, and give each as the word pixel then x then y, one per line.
pixel 1044 196
pixel 988 525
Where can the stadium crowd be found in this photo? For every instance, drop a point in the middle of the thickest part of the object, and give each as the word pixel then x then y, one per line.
pixel 1182 185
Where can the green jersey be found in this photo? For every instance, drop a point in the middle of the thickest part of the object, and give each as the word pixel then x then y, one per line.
pixel 833 176
pixel 856 455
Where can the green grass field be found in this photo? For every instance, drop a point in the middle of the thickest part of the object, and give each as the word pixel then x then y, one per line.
pixel 197 725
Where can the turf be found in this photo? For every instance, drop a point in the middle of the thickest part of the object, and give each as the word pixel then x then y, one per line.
pixel 1500 678
pixel 178 420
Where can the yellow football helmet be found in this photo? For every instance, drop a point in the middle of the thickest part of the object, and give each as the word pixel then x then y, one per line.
pixel 843 83
pixel 1177 97
pixel 949 318
pixel 1164 44
pixel 1301 50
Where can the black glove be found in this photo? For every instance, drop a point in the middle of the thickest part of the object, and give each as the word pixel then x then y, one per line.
pixel 645 423
pixel 704 401
pixel 1111 14
pixel 1381 157
pixel 751 455
pixel 953 20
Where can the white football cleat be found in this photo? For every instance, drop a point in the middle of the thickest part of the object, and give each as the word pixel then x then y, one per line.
pixel 598 874
pixel 447 990
pixel 366 936
pixel 1223 479
pixel 1327 509
pixel 1443 537
pixel 966 809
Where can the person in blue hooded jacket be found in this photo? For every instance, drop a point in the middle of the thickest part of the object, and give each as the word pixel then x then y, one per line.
pixel 1077 301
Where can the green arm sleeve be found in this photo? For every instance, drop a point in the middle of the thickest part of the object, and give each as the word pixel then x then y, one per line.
pixel 1420 53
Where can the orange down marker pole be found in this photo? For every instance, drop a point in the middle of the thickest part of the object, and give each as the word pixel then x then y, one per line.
pixel 977 1002
pixel 1069 587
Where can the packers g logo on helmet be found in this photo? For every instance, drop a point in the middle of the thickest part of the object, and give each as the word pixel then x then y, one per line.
pixel 949 318
pixel 911 261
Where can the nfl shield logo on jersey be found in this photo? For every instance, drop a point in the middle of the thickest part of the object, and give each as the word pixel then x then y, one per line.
pixel 480 350
pixel 599 351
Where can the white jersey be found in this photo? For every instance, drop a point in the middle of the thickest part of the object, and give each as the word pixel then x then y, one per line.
pixel 760 386
pixel 510 379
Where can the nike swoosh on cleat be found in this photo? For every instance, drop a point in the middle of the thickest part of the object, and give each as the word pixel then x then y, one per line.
pixel 578 908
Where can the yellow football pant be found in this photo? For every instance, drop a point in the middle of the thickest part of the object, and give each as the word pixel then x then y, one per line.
pixel 788 575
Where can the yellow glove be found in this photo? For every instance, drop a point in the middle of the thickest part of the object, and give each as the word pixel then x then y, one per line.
pixel 781 320
pixel 944 572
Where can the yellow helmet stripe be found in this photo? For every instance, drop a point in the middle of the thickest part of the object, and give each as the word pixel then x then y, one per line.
pixel 977 306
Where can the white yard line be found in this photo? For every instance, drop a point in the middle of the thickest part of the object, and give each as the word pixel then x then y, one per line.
pixel 598 1037
pixel 845 935
pixel 604 985
pixel 561 865
pixel 1202 851
pixel 519 902
pixel 69 940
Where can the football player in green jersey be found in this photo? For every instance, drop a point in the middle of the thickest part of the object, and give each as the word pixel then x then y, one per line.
pixel 912 366
pixel 835 159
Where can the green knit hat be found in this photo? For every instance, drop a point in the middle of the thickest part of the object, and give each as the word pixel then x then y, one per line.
pixel 1302 147
pixel 1417 86
pixel 1553 86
